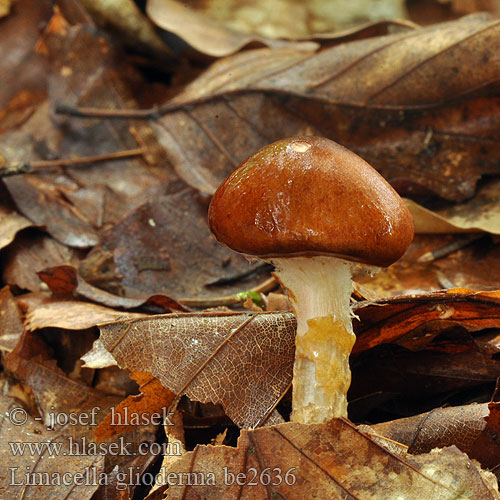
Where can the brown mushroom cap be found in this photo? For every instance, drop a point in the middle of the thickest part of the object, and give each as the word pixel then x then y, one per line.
pixel 308 196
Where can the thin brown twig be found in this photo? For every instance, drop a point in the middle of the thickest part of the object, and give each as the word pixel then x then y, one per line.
pixel 153 113
pixel 228 300
pixel 18 168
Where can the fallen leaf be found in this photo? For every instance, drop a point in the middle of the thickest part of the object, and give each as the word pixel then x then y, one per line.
pixel 10 223
pixel 71 407
pixel 72 315
pixel 449 261
pixel 395 110
pixel 52 457
pixel 402 316
pixel 151 403
pixel 171 252
pixel 243 361
pixel 22 69
pixel 65 280
pixel 205 34
pixel 11 321
pixel 98 357
pixel 32 252
pixel 482 213
pixel 486 448
pixel 75 204
pixel 332 460
pixel 124 18
pixel 472 428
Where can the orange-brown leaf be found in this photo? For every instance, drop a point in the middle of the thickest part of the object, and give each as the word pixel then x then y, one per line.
pixel 150 404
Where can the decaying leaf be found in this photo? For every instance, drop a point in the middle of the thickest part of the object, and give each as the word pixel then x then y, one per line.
pixel 172 251
pixel 75 204
pixel 205 34
pixel 43 459
pixel 410 104
pixel 482 213
pixel 332 460
pixel 125 18
pixel 243 361
pixel 32 252
pixel 472 428
pixel 72 315
pixel 439 261
pixel 11 323
pixel 22 69
pixel 98 357
pixel 10 222
pixel 152 402
pixel 66 280
pixel 406 315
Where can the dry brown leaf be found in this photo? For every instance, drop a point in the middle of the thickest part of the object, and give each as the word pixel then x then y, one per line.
pixel 11 322
pixel 400 317
pixel 152 402
pixel 31 252
pixel 56 394
pixel 53 390
pixel 72 315
pixel 455 425
pixel 332 460
pixel 398 101
pixel 486 448
pixel 243 361
pixel 452 261
pixel 10 221
pixel 124 18
pixel 205 34
pixel 53 460
pixel 23 71
pixel 172 252
pixel 482 213
pixel 472 428
pixel 76 203
pixel 65 280
pixel 223 26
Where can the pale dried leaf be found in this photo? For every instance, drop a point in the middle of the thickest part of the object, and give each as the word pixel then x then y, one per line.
pixel 482 213
pixel 243 361
pixel 333 460
pixel 203 33
pixel 10 224
pixel 98 357
pixel 14 466
pixel 125 18
pixel 11 323
pixel 73 315
pixel 398 101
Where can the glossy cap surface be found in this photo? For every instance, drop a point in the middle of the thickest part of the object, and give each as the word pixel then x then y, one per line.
pixel 307 196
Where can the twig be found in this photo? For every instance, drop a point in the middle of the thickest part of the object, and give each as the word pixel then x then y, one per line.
pixel 228 300
pixel 17 168
pixel 139 114
pixel 455 245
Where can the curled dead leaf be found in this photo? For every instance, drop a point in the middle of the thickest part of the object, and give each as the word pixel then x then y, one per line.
pixel 332 460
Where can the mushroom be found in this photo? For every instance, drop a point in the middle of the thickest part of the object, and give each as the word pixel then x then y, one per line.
pixel 318 213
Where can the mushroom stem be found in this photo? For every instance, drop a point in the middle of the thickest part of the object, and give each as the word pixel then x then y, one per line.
pixel 320 288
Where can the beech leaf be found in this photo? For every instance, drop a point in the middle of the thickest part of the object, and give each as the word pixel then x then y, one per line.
pixel 333 460
pixel 471 428
pixel 398 101
pixel 243 361
pixel 14 466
